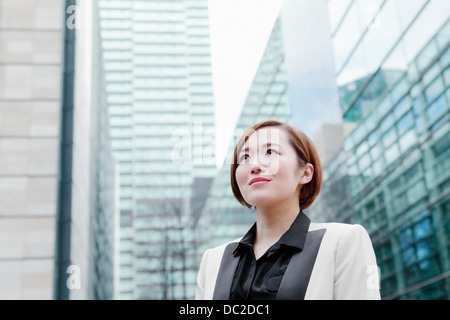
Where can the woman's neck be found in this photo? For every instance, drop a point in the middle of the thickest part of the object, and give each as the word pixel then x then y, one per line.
pixel 271 224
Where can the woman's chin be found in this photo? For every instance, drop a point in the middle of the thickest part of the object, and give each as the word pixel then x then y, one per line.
pixel 261 203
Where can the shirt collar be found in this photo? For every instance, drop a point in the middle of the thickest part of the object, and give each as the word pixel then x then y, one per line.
pixel 295 236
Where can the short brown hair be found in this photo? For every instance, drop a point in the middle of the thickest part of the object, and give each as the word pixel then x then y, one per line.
pixel 306 153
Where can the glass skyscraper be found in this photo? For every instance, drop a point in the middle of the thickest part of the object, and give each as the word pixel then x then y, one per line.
pixel 392 69
pixel 157 66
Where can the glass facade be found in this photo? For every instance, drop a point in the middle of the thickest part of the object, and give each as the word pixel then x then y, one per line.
pixel 104 248
pixel 157 67
pixel 392 69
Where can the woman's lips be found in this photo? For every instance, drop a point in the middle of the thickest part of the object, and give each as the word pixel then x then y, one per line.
pixel 259 180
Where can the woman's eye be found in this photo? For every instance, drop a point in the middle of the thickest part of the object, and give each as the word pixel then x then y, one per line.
pixel 244 157
pixel 271 151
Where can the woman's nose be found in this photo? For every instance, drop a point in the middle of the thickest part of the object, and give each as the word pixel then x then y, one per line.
pixel 255 168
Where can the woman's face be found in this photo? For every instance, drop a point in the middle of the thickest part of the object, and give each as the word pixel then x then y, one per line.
pixel 268 172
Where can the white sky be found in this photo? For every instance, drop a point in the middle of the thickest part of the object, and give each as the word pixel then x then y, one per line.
pixel 239 31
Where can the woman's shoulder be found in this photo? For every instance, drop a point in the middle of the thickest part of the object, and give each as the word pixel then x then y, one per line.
pixel 221 247
pixel 339 228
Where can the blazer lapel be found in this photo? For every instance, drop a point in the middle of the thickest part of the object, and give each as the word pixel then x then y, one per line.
pixel 296 278
pixel 226 273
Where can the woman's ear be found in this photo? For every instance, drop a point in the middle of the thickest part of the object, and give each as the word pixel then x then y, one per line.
pixel 307 175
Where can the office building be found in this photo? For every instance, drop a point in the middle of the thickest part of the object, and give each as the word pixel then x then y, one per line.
pixel 49 222
pixel 30 76
pixel 392 70
pixel 157 69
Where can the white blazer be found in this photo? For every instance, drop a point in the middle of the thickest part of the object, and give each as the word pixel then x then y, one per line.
pixel 337 262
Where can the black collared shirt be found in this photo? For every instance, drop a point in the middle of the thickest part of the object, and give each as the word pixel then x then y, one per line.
pixel 260 279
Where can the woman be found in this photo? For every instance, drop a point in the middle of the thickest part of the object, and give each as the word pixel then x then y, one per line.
pixel 276 170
